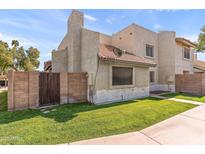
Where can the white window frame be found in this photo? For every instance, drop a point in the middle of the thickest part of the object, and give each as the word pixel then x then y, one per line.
pixel 184 53
pixel 152 51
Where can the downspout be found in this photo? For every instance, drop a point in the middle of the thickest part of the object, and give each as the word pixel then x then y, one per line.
pixel 92 89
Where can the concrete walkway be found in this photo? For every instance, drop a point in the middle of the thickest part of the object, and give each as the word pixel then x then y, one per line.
pixel 177 99
pixel 186 101
pixel 3 89
pixel 185 128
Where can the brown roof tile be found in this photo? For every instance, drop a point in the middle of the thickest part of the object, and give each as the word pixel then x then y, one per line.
pixel 107 52
pixel 199 64
pixel 185 41
pixel 3 77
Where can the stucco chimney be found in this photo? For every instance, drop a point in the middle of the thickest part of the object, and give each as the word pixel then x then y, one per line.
pixel 75 25
pixel 75 21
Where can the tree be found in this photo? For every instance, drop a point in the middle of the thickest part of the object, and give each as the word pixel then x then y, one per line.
pixel 201 41
pixel 17 57
pixel 33 54
pixel 15 43
pixel 5 57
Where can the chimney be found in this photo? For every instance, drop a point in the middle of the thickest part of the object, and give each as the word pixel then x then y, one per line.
pixel 75 21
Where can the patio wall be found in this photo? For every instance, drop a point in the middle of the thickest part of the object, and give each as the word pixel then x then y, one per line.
pixel 191 83
pixel 23 89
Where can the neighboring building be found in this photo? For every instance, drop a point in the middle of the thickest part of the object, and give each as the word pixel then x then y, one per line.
pixel 48 66
pixel 3 81
pixel 125 65
pixel 199 66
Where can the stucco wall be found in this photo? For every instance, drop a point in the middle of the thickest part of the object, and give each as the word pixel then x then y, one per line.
pixel 103 79
pixel 64 43
pixel 104 92
pixel 89 52
pixel 71 42
pixel 59 61
pixel 82 47
pixel 167 51
pixel 75 24
pixel 124 40
pixel 134 39
pixel 182 64
pixel 116 95
pixel 105 39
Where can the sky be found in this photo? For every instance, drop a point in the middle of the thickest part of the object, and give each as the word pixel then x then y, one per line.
pixel 44 29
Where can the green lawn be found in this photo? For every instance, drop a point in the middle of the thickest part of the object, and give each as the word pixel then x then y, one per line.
pixel 185 96
pixel 68 123
pixel 3 101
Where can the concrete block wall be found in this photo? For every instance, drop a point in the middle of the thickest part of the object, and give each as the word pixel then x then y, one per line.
pixel 73 87
pixel 23 90
pixel 190 83
pixel 64 88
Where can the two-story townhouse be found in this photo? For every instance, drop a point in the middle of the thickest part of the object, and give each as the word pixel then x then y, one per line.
pixel 124 65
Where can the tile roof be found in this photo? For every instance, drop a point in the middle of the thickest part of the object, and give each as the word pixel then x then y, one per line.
pixel 48 66
pixel 110 53
pixel 3 77
pixel 185 41
pixel 199 64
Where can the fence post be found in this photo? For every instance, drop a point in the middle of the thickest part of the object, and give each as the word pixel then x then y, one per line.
pixel 33 85
pixel 63 88
pixel 11 101
pixel 202 84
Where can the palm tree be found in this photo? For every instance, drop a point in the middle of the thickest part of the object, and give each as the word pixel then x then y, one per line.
pixel 15 43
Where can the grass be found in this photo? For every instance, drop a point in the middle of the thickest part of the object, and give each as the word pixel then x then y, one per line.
pixel 3 101
pixel 73 122
pixel 185 96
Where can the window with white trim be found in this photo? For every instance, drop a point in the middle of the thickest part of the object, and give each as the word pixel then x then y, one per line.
pixel 186 53
pixel 122 76
pixel 149 50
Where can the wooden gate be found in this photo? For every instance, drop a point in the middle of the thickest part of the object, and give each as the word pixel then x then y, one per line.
pixel 49 88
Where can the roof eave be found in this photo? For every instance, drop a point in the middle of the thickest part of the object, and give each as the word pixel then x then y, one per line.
pixel 185 41
pixel 128 62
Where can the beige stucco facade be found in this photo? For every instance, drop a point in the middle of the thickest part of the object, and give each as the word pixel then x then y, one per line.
pixel 78 52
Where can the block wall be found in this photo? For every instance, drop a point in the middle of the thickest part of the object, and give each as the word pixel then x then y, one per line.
pixel 23 90
pixel 190 83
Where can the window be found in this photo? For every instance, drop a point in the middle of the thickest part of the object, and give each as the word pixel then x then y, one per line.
pixel 185 72
pixel 149 50
pixel 151 76
pixel 186 53
pixel 122 76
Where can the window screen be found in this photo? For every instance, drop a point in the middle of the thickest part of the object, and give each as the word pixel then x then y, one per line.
pixel 122 76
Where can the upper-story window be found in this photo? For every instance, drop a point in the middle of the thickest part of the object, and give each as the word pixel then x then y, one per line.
pixel 187 53
pixel 149 50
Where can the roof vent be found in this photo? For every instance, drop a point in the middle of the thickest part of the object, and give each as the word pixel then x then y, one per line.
pixel 117 52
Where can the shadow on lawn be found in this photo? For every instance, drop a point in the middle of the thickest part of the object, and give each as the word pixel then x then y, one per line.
pixel 61 113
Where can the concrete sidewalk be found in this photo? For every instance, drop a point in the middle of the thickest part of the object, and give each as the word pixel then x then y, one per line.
pixel 3 89
pixel 186 101
pixel 185 128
